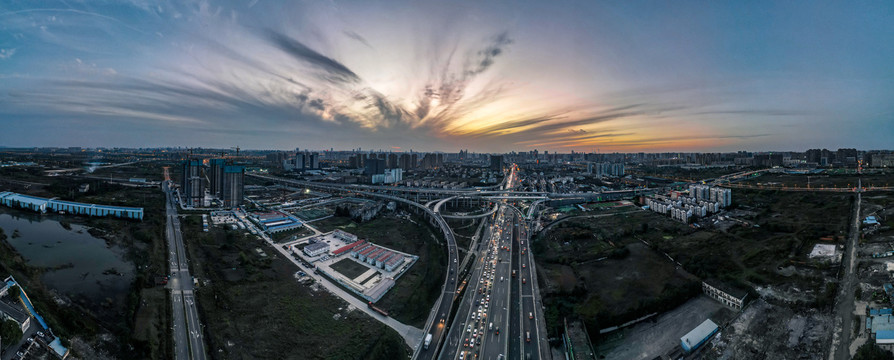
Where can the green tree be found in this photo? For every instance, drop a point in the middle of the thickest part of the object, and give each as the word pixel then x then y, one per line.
pixel 13 293
pixel 871 351
pixel 10 332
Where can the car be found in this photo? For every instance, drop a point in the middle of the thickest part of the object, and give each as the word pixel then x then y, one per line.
pixel 524 280
pixel 524 266
pixel 498 331
pixel 469 329
pixel 462 355
pixel 40 333
pixel 30 339
pixel 530 315
pixel 527 336
pixel 466 343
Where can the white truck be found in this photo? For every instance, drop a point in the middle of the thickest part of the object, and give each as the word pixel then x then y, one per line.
pixel 427 341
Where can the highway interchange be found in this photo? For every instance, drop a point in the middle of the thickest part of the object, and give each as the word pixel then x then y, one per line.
pixel 514 298
pixel 503 250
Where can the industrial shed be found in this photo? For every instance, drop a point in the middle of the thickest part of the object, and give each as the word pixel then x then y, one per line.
pixel 698 336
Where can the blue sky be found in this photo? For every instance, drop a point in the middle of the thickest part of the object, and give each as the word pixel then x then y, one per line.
pixel 427 75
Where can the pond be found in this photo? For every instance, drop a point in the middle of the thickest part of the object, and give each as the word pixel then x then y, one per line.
pixel 79 263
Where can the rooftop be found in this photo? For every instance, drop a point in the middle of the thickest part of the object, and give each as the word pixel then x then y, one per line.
pixel 316 246
pixel 14 311
pixel 731 290
pixel 698 334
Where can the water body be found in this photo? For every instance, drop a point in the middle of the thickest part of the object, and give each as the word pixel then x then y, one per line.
pixel 85 259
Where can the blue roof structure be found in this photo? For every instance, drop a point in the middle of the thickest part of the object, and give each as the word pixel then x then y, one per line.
pixel 41 204
pixel 57 347
pixel 699 335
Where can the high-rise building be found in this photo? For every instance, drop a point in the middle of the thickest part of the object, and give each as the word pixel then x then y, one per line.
pixel 374 167
pixel 404 161
pixel 312 160
pixel 389 176
pixel 432 161
pixel 192 186
pixel 391 161
pixel 233 186
pixel 216 176
pixel 606 169
pixel 496 162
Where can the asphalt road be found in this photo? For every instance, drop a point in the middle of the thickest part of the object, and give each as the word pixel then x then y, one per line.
pixel 529 343
pixel 484 285
pixel 188 335
pixel 437 323
pixel 844 307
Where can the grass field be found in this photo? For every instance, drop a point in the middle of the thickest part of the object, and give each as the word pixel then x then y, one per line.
pixel 349 268
pixel 597 269
pixel 289 235
pixel 789 225
pixel 335 222
pixel 614 290
pixel 312 214
pixel 820 180
pixel 253 308
pixel 463 230
pixel 414 294
pixel 681 174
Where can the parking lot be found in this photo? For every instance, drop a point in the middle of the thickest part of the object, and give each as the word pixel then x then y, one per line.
pixel 31 345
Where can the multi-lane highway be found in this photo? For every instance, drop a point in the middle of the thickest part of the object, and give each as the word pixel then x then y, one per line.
pixel 532 326
pixel 499 316
pixel 188 335
pixel 482 317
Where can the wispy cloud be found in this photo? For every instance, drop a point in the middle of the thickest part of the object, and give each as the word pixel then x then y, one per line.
pixel 7 53
pixel 442 77
pixel 357 37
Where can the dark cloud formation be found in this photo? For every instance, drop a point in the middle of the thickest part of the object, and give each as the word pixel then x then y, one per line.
pixel 486 56
pixel 308 55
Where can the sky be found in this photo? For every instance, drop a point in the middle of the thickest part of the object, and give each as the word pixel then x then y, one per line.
pixel 488 76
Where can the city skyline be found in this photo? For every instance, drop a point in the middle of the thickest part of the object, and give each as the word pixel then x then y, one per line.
pixel 495 77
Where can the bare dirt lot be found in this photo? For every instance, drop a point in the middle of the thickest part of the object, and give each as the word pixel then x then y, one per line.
pixel 661 335
pixel 766 331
